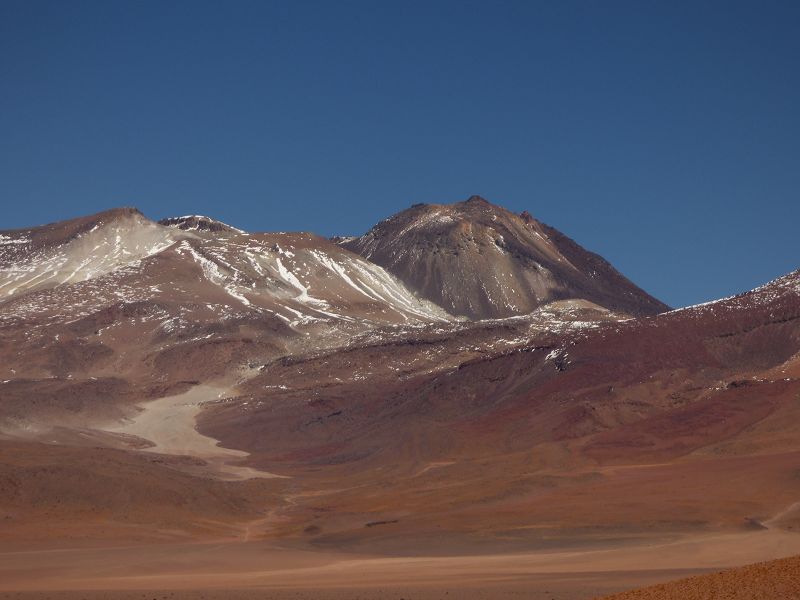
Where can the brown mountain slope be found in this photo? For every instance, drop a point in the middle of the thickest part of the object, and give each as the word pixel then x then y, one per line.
pixel 482 261
pixel 684 422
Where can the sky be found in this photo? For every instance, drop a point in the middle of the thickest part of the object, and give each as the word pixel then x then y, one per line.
pixel 664 136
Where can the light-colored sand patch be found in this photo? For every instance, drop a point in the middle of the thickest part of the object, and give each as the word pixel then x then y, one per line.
pixel 434 465
pixel 170 424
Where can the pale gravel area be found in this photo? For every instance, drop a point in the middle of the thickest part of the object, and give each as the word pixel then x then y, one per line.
pixel 170 425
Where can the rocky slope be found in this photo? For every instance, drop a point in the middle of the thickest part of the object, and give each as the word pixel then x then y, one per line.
pixel 481 261
pixel 762 581
pixel 682 422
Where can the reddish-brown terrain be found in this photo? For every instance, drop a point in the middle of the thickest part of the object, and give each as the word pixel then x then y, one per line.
pixel 187 409
pixel 762 581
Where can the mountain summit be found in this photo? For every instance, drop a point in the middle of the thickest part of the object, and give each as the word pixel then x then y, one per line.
pixel 199 223
pixel 481 261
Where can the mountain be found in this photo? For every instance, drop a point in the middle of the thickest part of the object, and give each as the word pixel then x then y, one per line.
pixel 482 261
pixel 76 250
pixel 164 385
pixel 115 294
pixel 297 276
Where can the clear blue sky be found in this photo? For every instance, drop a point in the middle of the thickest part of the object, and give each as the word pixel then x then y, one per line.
pixel 663 135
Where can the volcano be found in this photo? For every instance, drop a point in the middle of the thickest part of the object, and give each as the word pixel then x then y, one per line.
pixel 482 261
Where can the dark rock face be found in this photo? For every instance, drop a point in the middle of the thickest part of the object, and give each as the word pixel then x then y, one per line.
pixel 199 223
pixel 482 261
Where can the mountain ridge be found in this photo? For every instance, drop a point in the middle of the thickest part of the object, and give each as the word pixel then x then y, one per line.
pixel 530 264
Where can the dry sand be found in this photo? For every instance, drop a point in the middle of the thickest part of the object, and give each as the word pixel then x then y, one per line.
pixel 261 570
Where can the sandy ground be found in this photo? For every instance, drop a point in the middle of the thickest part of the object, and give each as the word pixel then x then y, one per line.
pixel 170 425
pixel 261 570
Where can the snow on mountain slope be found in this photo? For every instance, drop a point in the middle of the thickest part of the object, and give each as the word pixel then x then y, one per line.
pixel 300 277
pixel 304 278
pixel 122 287
pixel 54 255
